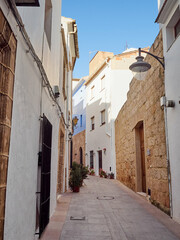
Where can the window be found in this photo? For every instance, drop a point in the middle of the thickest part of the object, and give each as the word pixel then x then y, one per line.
pixel 26 3
pixel 173 28
pixel 48 21
pixel 91 160
pixel 177 29
pixel 103 82
pixel 80 120
pixel 102 117
pixel 92 92
pixel 92 123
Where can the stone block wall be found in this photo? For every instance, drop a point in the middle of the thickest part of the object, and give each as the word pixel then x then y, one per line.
pixel 61 163
pixel 143 105
pixel 79 141
pixel 8 45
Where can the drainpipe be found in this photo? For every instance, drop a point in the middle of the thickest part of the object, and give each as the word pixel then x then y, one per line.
pixel 107 133
pixel 164 106
pixel 67 107
pixel 67 111
pixel 67 132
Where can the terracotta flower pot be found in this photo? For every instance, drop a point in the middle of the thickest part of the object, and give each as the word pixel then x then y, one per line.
pixel 76 189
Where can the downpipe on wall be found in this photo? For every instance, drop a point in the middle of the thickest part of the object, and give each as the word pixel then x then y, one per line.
pixel 164 106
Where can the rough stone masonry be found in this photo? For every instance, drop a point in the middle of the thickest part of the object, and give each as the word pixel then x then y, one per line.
pixel 143 106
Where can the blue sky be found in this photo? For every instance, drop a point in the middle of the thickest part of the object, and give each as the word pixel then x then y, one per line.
pixel 108 25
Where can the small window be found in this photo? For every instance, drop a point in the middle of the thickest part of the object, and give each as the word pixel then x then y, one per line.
pixel 92 92
pixel 177 29
pixel 103 82
pixel 80 120
pixel 102 117
pixel 173 29
pixel 91 160
pixel 92 123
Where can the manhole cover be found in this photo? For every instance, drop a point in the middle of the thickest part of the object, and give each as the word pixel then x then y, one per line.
pixel 105 198
pixel 77 218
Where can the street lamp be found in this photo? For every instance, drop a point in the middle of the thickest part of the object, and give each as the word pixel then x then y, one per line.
pixel 141 66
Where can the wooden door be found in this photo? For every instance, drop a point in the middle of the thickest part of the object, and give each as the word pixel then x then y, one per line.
pixel 81 155
pixel 100 159
pixel 45 174
pixel 143 166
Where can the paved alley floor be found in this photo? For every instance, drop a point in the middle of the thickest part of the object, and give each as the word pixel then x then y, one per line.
pixel 106 209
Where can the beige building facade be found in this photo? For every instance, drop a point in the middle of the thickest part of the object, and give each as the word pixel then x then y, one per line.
pixel 79 147
pixel 140 135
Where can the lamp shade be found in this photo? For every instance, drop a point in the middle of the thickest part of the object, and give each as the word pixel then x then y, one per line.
pixel 29 3
pixel 140 65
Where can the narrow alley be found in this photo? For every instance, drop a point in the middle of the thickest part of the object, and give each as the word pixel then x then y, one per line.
pixel 106 209
pixel 89 120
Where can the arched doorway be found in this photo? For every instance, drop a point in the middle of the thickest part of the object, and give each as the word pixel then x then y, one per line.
pixel 80 155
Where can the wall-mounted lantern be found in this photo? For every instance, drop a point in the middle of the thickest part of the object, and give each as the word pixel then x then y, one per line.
pixel 140 67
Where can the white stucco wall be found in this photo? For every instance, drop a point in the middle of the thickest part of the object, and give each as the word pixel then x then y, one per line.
pixel 172 86
pixel 160 3
pixel 98 138
pixel 120 79
pixel 33 19
pixel 79 106
pixel 20 215
pixel 70 48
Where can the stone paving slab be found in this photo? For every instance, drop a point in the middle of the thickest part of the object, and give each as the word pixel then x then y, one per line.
pixel 54 228
pixel 125 217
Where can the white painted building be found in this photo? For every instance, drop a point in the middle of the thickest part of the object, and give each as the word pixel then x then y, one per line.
pixel 169 20
pixel 106 92
pixel 71 52
pixel 43 69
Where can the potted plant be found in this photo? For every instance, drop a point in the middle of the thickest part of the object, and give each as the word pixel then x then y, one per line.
pixel 111 175
pixel 75 178
pixel 105 175
pixel 101 173
pixel 92 172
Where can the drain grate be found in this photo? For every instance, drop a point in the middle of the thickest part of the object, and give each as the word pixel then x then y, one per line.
pixel 105 198
pixel 78 218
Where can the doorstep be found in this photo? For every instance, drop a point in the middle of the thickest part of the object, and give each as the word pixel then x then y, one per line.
pixel 144 196
pixel 57 220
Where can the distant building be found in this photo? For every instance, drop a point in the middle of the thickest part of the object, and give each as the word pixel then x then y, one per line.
pixel 70 51
pixel 79 122
pixel 106 90
pixel 169 21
